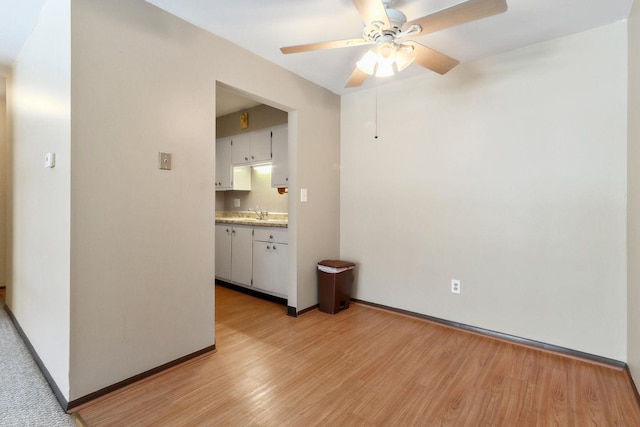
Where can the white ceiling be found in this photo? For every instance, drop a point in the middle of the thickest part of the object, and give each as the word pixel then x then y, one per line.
pixel 263 26
pixel 230 101
pixel 17 20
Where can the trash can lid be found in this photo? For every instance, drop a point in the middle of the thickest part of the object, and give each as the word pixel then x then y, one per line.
pixel 336 263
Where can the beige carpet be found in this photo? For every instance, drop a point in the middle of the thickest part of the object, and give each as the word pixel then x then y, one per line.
pixel 26 400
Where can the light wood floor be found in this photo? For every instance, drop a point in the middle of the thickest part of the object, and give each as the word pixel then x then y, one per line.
pixel 366 367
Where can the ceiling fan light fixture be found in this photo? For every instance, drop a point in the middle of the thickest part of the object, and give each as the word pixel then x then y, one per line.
pixel 386 57
pixel 385 68
pixel 368 62
pixel 387 51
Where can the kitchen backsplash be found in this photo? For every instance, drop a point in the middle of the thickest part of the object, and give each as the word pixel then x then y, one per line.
pixel 261 195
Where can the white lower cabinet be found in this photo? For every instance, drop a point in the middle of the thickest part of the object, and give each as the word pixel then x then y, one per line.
pixel 270 261
pixel 241 256
pixel 234 253
pixel 223 252
pixel 254 257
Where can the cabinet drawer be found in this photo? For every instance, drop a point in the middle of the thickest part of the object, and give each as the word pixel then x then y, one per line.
pixel 271 234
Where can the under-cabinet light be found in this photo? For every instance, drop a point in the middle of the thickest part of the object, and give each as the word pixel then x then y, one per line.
pixel 262 169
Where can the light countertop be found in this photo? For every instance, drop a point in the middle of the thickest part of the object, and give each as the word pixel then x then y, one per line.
pixel 250 218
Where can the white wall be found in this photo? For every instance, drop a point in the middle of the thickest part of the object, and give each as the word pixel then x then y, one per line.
pixel 40 109
pixel 509 174
pixel 317 222
pixel 4 186
pixel 143 239
pixel 633 213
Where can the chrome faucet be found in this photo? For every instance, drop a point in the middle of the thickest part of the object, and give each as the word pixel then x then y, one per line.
pixel 261 215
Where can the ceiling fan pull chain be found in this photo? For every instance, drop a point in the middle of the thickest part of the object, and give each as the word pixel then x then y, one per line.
pixel 376 135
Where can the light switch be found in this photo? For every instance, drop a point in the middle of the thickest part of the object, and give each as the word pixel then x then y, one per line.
pixel 236 203
pixel 164 160
pixel 50 160
pixel 303 195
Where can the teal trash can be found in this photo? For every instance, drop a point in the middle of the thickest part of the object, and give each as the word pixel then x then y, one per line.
pixel 334 285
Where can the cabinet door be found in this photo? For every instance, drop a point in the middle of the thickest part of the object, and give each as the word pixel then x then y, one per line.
pixel 241 178
pixel 223 252
pixel 280 164
pixel 241 255
pixel 223 164
pixel 241 149
pixel 270 265
pixel 261 145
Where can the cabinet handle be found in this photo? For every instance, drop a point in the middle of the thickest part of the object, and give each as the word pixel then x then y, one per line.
pixel 233 231
pixel 246 158
pixel 268 247
pixel 274 247
pixel 227 230
pixel 271 236
pixel 287 179
pixel 252 157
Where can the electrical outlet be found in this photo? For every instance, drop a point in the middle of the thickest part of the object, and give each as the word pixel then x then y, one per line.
pixel 455 286
pixel 236 203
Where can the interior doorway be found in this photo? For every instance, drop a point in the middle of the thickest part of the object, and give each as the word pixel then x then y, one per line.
pixel 252 200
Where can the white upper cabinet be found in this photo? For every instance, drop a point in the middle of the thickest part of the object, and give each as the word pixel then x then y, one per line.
pixel 261 145
pixel 269 145
pixel 241 148
pixel 252 147
pixel 229 177
pixel 223 164
pixel 280 161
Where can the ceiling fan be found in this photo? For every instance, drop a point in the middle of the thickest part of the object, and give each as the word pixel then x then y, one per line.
pixel 389 32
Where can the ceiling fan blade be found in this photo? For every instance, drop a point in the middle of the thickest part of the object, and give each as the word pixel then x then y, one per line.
pixel 461 13
pixel 372 10
pixel 357 78
pixel 431 59
pixel 324 45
